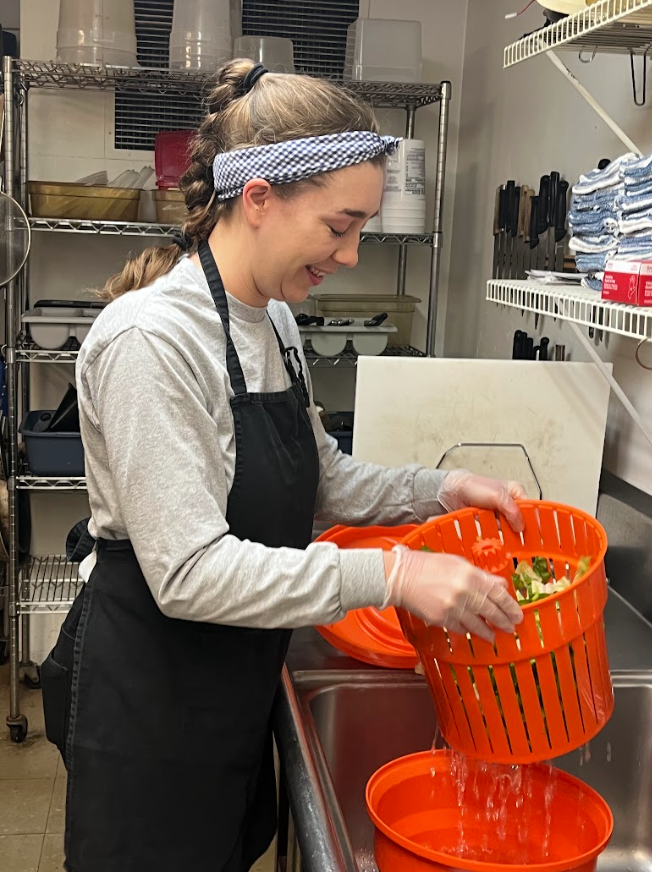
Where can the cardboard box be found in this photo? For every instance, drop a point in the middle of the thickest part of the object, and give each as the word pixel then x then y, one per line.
pixel 628 282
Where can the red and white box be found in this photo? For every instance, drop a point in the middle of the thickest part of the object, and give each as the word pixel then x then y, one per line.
pixel 628 281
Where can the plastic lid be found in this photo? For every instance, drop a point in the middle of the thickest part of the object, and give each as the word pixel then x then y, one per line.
pixel 369 635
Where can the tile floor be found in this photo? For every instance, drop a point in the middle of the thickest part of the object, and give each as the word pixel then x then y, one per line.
pixel 33 794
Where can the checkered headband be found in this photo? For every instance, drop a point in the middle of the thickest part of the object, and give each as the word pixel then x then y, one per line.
pixel 296 159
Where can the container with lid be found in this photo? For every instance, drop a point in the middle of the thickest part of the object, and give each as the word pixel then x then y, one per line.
pixel 400 311
pixel 381 50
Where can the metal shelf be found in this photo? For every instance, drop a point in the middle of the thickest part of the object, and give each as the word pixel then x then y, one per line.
pixel 570 303
pixel 48 584
pixel 31 482
pixel 349 359
pixel 40 74
pixel 27 352
pixel 106 228
pixel 135 228
pixel 608 26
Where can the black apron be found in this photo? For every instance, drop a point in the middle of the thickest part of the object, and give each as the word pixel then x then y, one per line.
pixel 164 725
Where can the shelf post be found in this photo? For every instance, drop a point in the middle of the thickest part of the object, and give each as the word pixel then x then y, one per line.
pixel 12 455
pixel 402 252
pixel 440 177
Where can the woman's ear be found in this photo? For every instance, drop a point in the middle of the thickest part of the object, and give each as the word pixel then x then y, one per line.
pixel 256 201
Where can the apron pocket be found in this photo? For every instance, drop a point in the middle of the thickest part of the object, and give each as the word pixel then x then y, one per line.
pixel 55 681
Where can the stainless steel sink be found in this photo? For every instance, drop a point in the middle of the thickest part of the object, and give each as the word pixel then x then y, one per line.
pixel 356 722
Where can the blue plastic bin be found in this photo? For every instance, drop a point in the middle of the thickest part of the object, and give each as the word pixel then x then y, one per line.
pixel 51 454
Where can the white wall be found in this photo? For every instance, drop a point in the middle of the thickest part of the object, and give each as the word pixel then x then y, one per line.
pixel 521 123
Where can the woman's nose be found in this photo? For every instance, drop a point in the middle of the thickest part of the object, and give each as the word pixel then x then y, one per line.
pixel 346 253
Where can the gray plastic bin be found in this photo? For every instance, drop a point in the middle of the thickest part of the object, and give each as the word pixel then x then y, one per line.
pixel 51 454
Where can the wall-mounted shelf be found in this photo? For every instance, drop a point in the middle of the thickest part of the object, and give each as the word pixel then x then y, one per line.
pixel 136 228
pixel 608 26
pixel 40 74
pixel 48 584
pixel 570 303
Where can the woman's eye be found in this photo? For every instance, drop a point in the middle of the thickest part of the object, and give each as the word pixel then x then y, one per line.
pixel 336 232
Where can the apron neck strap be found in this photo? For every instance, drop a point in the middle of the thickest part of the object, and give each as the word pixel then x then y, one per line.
pixel 216 287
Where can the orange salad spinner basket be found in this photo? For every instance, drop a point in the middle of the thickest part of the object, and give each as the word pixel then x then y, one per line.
pixel 545 690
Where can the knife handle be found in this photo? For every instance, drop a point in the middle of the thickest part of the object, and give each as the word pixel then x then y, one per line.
pixel 534 222
pixel 561 211
pixel 522 211
pixel 498 209
pixel 543 348
pixel 509 193
pixel 555 179
pixel 544 200
pixel 513 215
pixel 517 348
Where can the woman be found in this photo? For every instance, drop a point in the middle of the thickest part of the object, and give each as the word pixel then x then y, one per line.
pixel 206 465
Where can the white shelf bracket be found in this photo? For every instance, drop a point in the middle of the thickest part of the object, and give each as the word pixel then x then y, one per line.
pixel 593 103
pixel 615 387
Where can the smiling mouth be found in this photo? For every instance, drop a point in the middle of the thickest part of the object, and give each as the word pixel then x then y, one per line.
pixel 318 273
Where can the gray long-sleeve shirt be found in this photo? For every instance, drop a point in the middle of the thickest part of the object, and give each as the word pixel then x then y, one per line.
pixel 158 435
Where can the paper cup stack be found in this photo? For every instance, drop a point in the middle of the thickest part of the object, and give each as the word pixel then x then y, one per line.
pixel 403 209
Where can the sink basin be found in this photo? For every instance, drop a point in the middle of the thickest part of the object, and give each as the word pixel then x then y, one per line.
pixel 357 722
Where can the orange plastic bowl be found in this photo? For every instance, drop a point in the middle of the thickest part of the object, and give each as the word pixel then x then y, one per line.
pixel 418 807
pixel 369 635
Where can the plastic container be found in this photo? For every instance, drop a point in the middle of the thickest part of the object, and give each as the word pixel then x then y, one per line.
pixel 172 156
pixel 382 50
pixel 52 327
pixel 97 32
pixel 201 37
pixel 170 207
pixel 400 310
pixel 274 52
pixel 90 202
pixel 369 635
pixel 545 690
pixel 551 822
pixel 51 454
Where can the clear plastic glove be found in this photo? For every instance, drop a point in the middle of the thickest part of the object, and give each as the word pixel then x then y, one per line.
pixel 448 591
pixel 462 488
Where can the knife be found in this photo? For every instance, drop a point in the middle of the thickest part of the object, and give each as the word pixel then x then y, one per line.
pixel 560 225
pixel 534 230
pixel 499 226
pixel 552 210
pixel 522 214
pixel 504 242
pixel 542 225
pixel 513 231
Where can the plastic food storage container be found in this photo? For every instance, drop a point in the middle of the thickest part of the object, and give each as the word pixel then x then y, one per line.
pixel 52 327
pixel 97 32
pixel 172 156
pixel 170 207
pixel 86 202
pixel 276 53
pixel 380 50
pixel 399 309
pixel 329 341
pixel 201 36
pixel 51 454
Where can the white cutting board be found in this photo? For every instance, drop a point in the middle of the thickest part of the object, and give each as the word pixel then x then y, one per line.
pixel 414 411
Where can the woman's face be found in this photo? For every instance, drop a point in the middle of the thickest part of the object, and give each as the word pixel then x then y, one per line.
pixel 302 240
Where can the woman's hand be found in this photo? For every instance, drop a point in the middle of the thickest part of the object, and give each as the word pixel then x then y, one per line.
pixel 450 592
pixel 461 489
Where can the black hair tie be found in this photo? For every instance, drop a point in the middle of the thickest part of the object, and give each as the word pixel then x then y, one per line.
pixel 183 240
pixel 252 77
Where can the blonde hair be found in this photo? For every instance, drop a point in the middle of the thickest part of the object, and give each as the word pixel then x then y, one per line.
pixel 279 107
